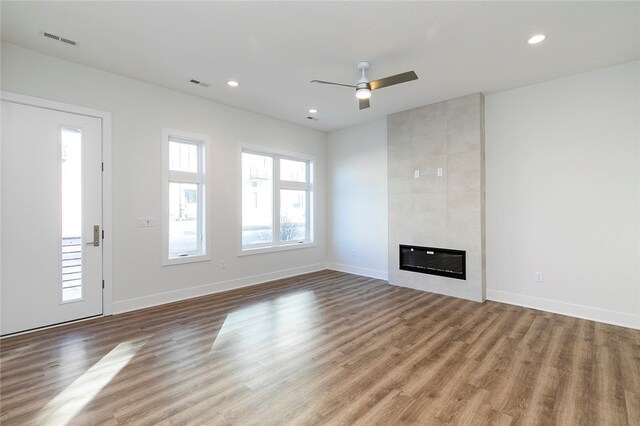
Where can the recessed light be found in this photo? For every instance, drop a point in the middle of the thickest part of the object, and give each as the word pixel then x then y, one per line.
pixel 313 111
pixel 535 39
pixel 233 83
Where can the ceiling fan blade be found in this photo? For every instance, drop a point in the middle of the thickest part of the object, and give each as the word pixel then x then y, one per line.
pixel 329 82
pixel 364 103
pixel 394 79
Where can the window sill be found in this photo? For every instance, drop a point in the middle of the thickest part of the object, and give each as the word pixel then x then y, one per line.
pixel 271 249
pixel 186 259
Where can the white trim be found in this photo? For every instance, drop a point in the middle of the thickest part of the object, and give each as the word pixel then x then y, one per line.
pixel 269 249
pixel 47 327
pixel 570 309
pixel 191 258
pixel 107 216
pixel 201 178
pixel 358 270
pixel 261 149
pixel 107 201
pixel 52 105
pixel 203 290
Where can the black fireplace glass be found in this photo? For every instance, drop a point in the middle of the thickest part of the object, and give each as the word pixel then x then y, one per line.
pixel 435 261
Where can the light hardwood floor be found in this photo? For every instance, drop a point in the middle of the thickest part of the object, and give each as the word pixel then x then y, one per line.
pixel 324 348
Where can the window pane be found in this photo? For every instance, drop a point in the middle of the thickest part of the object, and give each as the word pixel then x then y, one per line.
pixel 293 215
pixel 183 157
pixel 183 219
pixel 257 199
pixel 71 168
pixel 295 171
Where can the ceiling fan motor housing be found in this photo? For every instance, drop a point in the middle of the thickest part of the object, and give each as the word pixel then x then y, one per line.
pixel 363 90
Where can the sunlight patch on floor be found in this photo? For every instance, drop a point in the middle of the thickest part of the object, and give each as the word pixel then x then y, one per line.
pixel 68 403
pixel 250 327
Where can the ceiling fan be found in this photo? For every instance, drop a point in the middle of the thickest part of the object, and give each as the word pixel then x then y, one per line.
pixel 364 87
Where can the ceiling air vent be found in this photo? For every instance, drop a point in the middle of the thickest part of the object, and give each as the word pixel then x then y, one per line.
pixel 198 82
pixel 58 38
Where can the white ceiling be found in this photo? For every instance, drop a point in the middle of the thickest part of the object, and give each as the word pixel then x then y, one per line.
pixel 275 48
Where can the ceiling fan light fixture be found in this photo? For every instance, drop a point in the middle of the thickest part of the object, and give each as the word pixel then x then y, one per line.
pixel 363 93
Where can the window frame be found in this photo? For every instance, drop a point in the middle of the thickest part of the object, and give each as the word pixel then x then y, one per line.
pixel 201 179
pixel 278 184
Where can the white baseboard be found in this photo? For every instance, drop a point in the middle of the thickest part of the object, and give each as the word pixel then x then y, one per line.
pixel 188 293
pixel 365 272
pixel 579 311
pixel 563 308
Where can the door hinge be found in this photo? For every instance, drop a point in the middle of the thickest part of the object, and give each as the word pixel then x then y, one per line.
pixel 102 283
pixel 103 167
pixel 103 234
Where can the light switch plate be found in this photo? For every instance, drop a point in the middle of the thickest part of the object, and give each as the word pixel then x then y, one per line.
pixel 146 221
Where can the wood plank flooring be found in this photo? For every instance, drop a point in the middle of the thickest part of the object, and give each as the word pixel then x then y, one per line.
pixel 324 348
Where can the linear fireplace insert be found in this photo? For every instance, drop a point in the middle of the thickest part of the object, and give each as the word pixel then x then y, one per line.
pixel 435 261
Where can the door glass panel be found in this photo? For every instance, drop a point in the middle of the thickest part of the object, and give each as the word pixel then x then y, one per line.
pixel 71 168
pixel 183 219
pixel 293 214
pixel 257 199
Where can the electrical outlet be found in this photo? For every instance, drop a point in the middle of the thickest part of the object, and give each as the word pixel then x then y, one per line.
pixel 416 174
pixel 539 277
pixel 223 264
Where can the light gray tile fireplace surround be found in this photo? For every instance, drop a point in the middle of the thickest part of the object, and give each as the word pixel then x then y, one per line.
pixel 436 190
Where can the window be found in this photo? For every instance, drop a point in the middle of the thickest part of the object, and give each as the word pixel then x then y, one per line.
pixel 276 201
pixel 185 198
pixel 71 203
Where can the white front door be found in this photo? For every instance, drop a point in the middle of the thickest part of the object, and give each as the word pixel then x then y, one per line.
pixel 51 217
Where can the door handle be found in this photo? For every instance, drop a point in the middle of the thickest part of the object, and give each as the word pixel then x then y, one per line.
pixel 96 237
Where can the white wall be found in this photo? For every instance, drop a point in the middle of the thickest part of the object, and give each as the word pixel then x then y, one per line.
pixel 562 182
pixel 357 208
pixel 563 195
pixel 562 188
pixel 139 111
